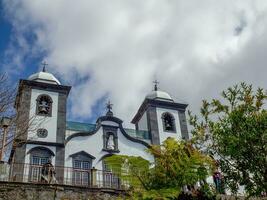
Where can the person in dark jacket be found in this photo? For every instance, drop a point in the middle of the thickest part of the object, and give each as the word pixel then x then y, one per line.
pixel 48 173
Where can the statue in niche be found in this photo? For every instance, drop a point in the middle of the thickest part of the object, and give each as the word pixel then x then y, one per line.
pixel 110 142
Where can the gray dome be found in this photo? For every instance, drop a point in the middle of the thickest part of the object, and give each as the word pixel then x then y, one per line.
pixel 159 95
pixel 44 77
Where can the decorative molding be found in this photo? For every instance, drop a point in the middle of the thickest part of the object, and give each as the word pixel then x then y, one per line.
pixel 111 150
pixel 45 143
pixel 44 86
pixel 82 134
pixel 42 133
pixel 42 148
pixel 109 118
pixel 82 153
pixel 159 104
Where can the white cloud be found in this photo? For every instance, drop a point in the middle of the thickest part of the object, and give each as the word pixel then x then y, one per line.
pixel 195 48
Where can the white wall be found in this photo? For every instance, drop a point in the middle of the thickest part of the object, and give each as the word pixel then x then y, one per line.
pixel 163 135
pixel 142 124
pixel 94 144
pixel 49 123
pixel 69 133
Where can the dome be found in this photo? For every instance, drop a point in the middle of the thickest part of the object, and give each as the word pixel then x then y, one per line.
pixel 157 94
pixel 44 77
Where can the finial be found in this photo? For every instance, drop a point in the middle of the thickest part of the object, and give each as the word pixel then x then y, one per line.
pixel 155 85
pixel 109 108
pixel 44 64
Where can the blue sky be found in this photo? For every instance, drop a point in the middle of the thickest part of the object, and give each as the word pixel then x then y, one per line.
pixel 115 50
pixel 34 64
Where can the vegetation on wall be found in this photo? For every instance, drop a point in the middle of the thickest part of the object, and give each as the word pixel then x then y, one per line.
pixel 177 164
pixel 234 131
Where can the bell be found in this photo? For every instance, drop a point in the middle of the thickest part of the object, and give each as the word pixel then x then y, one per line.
pixel 168 125
pixel 43 106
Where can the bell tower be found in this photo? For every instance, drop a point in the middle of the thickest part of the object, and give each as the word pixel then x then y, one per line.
pixel 162 117
pixel 41 104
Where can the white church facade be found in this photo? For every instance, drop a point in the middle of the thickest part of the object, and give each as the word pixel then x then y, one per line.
pixel 83 146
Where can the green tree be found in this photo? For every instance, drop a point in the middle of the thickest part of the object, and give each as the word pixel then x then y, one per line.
pixel 234 131
pixel 176 164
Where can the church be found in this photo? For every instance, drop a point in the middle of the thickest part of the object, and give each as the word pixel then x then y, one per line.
pixel 83 146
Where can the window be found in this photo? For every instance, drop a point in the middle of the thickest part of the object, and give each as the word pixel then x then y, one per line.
pixel 44 105
pixel 109 178
pixel 38 157
pixel 81 172
pixel 82 164
pixel 42 133
pixel 168 122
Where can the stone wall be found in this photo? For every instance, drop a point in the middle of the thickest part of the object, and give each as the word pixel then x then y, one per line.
pixel 28 191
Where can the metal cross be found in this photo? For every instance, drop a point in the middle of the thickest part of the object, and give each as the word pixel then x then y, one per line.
pixel 44 64
pixel 156 84
pixel 109 106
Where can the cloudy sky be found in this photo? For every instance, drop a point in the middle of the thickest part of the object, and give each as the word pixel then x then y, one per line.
pixel 115 49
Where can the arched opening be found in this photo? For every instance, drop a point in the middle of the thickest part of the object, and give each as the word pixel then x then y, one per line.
pixel 38 157
pixel 44 105
pixel 82 164
pixel 168 121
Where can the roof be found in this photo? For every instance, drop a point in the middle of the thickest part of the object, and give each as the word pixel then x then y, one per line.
pixel 157 94
pixel 79 126
pixel 137 133
pixel 44 77
pixel 87 127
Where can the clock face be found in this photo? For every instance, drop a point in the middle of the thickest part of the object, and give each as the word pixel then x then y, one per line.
pixel 42 133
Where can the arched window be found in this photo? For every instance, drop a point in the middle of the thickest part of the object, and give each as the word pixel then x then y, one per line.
pixel 168 122
pixel 110 179
pixel 38 157
pixel 82 163
pixel 44 105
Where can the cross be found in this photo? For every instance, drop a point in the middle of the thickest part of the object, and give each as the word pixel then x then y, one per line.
pixel 156 84
pixel 109 106
pixel 44 64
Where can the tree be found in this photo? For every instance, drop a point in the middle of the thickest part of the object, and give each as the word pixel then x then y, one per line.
pixel 176 165
pixel 18 124
pixel 234 131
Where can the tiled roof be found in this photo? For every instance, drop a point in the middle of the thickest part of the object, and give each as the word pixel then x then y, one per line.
pixel 137 133
pixel 79 126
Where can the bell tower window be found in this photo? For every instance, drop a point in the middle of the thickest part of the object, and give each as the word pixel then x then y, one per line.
pixel 168 122
pixel 44 105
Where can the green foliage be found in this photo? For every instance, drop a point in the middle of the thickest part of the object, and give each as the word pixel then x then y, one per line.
pixel 234 130
pixel 176 164
pixel 131 169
